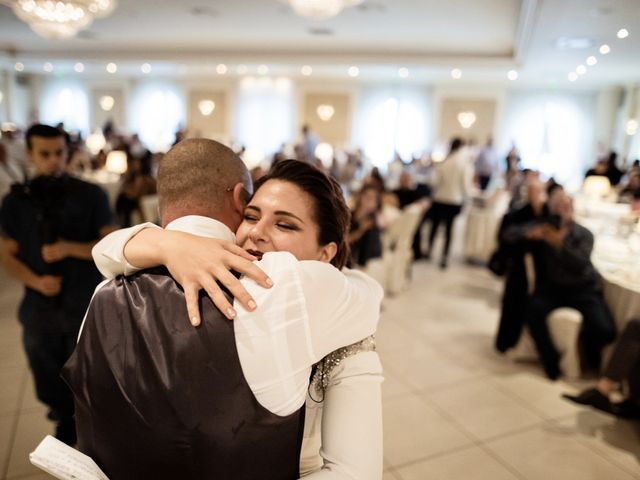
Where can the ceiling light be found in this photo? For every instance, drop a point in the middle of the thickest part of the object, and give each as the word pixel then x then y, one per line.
pixel 604 49
pixel 306 70
pixel 221 69
pixel 206 107
pixel 581 69
pixel 62 18
pixel 591 61
pixel 456 73
pixel 47 67
pixel 79 67
pixel 146 68
pixel 112 68
pixel 466 119
pixel 573 76
pixel 623 33
pixel 512 75
pixel 242 69
pixel 107 102
pixel 320 9
pixel 325 112
pixel 263 69
pixel 403 72
pixel 353 71
pixel 19 67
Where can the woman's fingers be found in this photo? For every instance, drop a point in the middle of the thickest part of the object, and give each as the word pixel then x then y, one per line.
pixel 218 297
pixel 193 309
pixel 250 270
pixel 235 249
pixel 237 290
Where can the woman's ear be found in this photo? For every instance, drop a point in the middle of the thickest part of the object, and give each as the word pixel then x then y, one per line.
pixel 328 251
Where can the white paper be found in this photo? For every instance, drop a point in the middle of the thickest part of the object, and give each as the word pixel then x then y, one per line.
pixel 64 462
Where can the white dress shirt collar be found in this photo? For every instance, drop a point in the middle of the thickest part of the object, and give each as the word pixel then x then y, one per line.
pixel 202 226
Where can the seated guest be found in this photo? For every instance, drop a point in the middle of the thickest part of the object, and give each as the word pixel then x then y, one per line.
pixel 508 260
pixel 366 226
pixel 624 365
pixel 407 193
pixel 600 168
pixel 632 187
pixel 567 278
pixel 138 182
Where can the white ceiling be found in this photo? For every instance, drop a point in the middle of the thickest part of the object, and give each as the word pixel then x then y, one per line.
pixel 484 38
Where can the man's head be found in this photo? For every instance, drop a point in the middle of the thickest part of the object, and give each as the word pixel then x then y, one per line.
pixel 535 192
pixel 562 206
pixel 47 149
pixel 203 177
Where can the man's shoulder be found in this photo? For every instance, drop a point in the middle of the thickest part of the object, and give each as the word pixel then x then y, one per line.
pixel 83 187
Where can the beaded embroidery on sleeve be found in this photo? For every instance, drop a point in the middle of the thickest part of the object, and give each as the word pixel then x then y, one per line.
pixel 322 370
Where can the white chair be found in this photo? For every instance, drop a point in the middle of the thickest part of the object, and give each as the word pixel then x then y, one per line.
pixel 564 328
pixel 393 269
pixel 482 222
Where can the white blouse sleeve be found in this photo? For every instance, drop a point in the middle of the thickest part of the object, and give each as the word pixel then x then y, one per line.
pixel 352 421
pixel 108 253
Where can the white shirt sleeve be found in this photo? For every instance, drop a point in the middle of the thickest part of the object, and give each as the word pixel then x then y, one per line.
pixel 108 253
pixel 311 310
pixel 352 421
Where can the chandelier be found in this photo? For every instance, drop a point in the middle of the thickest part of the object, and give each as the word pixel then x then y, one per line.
pixel 59 19
pixel 320 9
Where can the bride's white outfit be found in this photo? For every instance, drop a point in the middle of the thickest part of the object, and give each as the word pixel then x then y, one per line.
pixel 343 419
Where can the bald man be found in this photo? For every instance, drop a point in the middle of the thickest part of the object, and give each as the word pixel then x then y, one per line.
pixel 157 398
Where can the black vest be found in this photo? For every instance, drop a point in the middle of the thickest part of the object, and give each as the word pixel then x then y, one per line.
pixel 158 399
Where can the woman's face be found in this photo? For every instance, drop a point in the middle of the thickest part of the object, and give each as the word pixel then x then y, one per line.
pixel 279 217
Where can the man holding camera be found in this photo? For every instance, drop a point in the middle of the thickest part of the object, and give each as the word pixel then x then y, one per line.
pixel 49 225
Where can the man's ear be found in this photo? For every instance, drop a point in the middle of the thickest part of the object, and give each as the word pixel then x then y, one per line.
pixel 238 198
pixel 328 251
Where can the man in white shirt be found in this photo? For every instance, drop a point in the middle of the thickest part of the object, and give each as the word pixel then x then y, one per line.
pixel 311 310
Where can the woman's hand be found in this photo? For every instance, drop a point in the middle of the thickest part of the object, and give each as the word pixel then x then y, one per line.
pixel 197 263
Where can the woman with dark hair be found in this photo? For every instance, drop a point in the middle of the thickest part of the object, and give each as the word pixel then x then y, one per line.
pixel 299 209
pixel 451 185
pixel 366 225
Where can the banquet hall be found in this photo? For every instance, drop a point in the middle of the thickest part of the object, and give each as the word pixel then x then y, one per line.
pixel 493 366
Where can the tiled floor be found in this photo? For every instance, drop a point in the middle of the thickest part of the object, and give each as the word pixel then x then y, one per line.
pixel 453 408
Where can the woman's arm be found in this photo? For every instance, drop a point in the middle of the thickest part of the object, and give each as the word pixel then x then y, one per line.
pixel 194 262
pixel 352 421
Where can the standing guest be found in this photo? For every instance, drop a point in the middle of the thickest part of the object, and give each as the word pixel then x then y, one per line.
pixel 366 226
pixel 485 164
pixel 138 182
pixel 451 185
pixel 624 365
pixel 567 278
pixel 49 226
pixel 309 143
pixel 512 167
pixel 407 193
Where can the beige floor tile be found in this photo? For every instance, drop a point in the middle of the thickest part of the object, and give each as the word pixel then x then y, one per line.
pixel 389 476
pixel 471 463
pixel 6 431
pixel 616 439
pixel 547 452
pixel 413 430
pixel 482 409
pixel 32 428
pixel 11 379
pixel 393 386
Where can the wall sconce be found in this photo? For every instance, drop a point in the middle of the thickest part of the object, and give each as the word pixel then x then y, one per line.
pixel 206 107
pixel 325 112
pixel 117 162
pixel 631 128
pixel 107 102
pixel 466 119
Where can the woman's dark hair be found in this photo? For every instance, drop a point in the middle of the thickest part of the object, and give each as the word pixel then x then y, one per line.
pixel 331 213
pixel 364 190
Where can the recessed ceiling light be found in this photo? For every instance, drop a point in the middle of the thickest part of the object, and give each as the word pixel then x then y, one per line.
pixel 591 61
pixel 263 69
pixel 242 69
pixel 79 67
pixel 573 76
pixel 112 68
pixel 512 75
pixel 604 49
pixel 221 69
pixel 623 33
pixel 581 69
pixel 403 72
pixel 306 70
pixel 353 71
pixel 19 67
pixel 456 73
pixel 146 68
pixel 47 67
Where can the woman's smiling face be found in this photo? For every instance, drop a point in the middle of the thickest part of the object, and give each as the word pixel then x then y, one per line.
pixel 280 217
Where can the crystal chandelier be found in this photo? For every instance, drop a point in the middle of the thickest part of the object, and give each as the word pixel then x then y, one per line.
pixel 320 9
pixel 59 19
